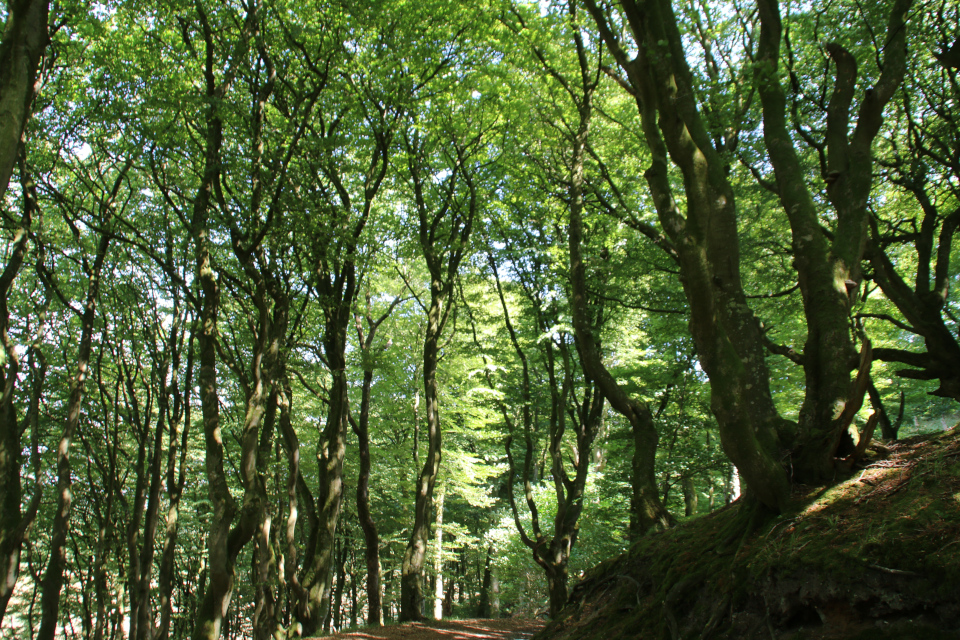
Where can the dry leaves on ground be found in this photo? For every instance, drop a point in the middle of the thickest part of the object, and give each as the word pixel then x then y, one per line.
pixel 494 629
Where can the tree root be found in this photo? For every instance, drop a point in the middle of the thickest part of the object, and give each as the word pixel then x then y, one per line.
pixel 716 617
pixel 673 597
pixel 752 516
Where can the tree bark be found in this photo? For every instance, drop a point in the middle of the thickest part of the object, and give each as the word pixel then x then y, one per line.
pixel 52 583
pixel 14 522
pixel 828 271
pixel 726 333
pixel 445 230
pixel 25 39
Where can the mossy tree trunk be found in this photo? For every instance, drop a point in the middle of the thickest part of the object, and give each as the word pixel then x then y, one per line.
pixel 728 338
pixel 224 542
pixel 828 269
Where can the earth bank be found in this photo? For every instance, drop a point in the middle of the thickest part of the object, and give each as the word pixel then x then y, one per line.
pixel 874 556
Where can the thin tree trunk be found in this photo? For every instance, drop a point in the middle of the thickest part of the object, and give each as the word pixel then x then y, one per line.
pixel 438 561
pixel 175 480
pixel 362 429
pixel 341 584
pixel 52 583
pixel 886 427
pixel 689 496
pixel 485 606
pixel 354 593
pixel 14 522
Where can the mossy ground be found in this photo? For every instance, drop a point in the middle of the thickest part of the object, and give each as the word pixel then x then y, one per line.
pixel 876 555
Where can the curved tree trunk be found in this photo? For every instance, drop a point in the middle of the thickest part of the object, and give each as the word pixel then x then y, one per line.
pixel 647 509
pixel 224 542
pixel 727 335
pixel 828 270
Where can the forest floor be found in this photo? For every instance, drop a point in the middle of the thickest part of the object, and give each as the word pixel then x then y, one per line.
pixel 875 556
pixel 493 629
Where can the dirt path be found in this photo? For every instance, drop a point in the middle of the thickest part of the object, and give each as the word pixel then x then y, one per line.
pixel 499 629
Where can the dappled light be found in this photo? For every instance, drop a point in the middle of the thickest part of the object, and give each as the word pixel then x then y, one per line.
pixel 502 629
pixel 473 320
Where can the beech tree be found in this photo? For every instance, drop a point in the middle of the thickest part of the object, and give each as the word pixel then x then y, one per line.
pixel 255 252
pixel 444 173
pixel 24 41
pixel 729 337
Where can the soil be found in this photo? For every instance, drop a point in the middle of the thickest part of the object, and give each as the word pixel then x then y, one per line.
pixel 494 629
pixel 875 556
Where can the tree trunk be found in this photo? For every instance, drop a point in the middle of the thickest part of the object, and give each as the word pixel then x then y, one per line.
pixel 411 589
pixel 178 416
pixel 690 497
pixel 264 557
pixel 337 605
pixel 332 448
pixel 828 271
pixel 13 521
pixel 557 585
pixel 52 583
pixel 224 543
pixel 25 39
pixel 485 606
pixel 296 487
pixel 438 561
pixel 445 224
pixel 354 593
pixel 727 335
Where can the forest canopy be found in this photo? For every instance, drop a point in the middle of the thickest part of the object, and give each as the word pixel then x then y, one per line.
pixel 332 312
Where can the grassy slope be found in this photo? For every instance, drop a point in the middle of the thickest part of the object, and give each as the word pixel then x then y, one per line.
pixel 875 556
